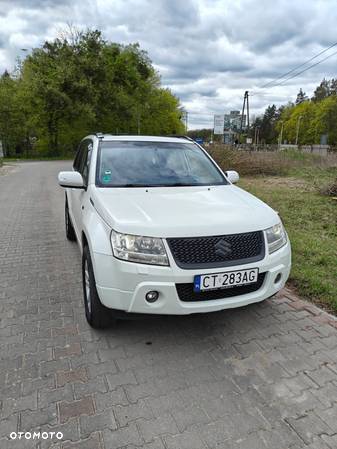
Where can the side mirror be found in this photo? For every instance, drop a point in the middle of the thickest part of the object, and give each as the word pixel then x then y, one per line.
pixel 71 179
pixel 232 176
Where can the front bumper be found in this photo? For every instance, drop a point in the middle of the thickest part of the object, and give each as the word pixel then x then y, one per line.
pixel 123 285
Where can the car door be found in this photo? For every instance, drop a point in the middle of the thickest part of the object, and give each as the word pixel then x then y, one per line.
pixel 82 165
pixel 71 193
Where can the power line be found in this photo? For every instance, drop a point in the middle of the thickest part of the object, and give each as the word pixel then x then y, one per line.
pixel 299 73
pixel 302 71
pixel 284 75
pixel 299 66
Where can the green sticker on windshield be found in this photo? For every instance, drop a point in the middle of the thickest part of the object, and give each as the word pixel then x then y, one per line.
pixel 107 176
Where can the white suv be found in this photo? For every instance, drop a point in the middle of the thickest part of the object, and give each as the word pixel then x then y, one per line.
pixel 163 230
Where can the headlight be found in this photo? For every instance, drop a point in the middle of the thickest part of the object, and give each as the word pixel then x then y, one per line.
pixel 276 237
pixel 136 248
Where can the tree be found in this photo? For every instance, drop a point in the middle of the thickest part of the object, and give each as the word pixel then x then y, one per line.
pixel 13 117
pixel 205 133
pixel 301 96
pixel 80 83
pixel 267 124
pixel 313 118
pixel 325 119
pixel 333 86
pixel 322 91
pixel 299 116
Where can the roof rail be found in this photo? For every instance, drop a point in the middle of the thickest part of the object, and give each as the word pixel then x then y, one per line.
pixel 99 135
pixel 180 137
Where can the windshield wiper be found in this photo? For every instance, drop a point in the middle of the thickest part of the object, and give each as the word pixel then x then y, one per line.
pixel 173 184
pixel 132 185
pixel 178 184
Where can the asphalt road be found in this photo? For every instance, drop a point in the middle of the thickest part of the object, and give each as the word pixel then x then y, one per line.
pixel 264 376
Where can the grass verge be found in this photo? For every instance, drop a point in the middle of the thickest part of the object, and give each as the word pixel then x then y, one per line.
pixel 295 184
pixel 311 221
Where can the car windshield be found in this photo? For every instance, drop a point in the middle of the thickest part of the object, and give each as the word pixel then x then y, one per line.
pixel 154 164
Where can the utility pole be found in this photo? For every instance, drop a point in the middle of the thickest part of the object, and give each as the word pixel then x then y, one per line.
pixel 244 106
pixel 247 111
pixel 298 128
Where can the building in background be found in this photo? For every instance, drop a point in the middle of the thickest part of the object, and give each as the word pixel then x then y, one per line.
pixel 232 126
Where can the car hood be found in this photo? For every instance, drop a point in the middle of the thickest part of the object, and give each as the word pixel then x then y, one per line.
pixel 182 211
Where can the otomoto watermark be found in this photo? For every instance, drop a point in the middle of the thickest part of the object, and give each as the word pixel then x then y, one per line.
pixel 35 435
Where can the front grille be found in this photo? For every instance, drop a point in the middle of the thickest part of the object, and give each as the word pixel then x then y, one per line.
pixel 187 294
pixel 217 251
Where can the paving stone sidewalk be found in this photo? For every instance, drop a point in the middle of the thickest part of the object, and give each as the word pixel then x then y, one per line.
pixel 263 376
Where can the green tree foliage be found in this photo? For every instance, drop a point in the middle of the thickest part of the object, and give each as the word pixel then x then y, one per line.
pixel 313 118
pixel 205 133
pixel 267 125
pixel 80 83
pixel 13 123
pixel 322 91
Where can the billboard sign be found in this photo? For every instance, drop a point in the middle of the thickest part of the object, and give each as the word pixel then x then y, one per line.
pixel 219 124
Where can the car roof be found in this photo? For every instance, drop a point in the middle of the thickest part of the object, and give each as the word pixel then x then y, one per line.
pixel 137 138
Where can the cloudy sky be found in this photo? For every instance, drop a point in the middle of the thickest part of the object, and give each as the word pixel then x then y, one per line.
pixel 207 51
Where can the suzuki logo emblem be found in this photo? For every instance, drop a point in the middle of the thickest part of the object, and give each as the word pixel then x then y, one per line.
pixel 222 248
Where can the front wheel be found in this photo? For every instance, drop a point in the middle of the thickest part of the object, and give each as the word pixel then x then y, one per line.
pixel 97 315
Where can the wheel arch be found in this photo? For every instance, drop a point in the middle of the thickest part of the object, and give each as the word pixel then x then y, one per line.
pixel 84 240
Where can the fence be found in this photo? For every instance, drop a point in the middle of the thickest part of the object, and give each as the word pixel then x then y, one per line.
pixel 319 150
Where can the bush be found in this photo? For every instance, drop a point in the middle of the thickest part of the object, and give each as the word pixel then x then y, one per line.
pixel 330 189
pixel 273 163
pixel 251 162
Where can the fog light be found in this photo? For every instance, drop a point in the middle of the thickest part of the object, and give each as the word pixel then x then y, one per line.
pixel 152 296
pixel 278 278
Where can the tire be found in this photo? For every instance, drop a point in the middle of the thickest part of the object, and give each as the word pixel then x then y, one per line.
pixel 97 315
pixel 70 231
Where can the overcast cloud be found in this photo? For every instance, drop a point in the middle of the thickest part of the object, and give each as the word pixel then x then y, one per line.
pixel 207 51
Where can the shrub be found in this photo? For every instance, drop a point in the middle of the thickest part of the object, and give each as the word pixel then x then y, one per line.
pixel 251 162
pixel 274 163
pixel 330 189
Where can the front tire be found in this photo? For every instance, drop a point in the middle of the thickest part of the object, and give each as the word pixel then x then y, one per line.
pixel 70 231
pixel 97 315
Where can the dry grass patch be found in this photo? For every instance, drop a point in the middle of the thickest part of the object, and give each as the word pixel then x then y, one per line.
pixel 330 189
pixel 269 163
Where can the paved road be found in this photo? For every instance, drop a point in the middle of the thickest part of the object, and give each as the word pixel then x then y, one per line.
pixel 261 377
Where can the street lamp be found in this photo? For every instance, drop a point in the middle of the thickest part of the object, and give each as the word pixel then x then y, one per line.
pixel 298 128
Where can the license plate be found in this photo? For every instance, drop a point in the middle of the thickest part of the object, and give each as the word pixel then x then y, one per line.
pixel 228 279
